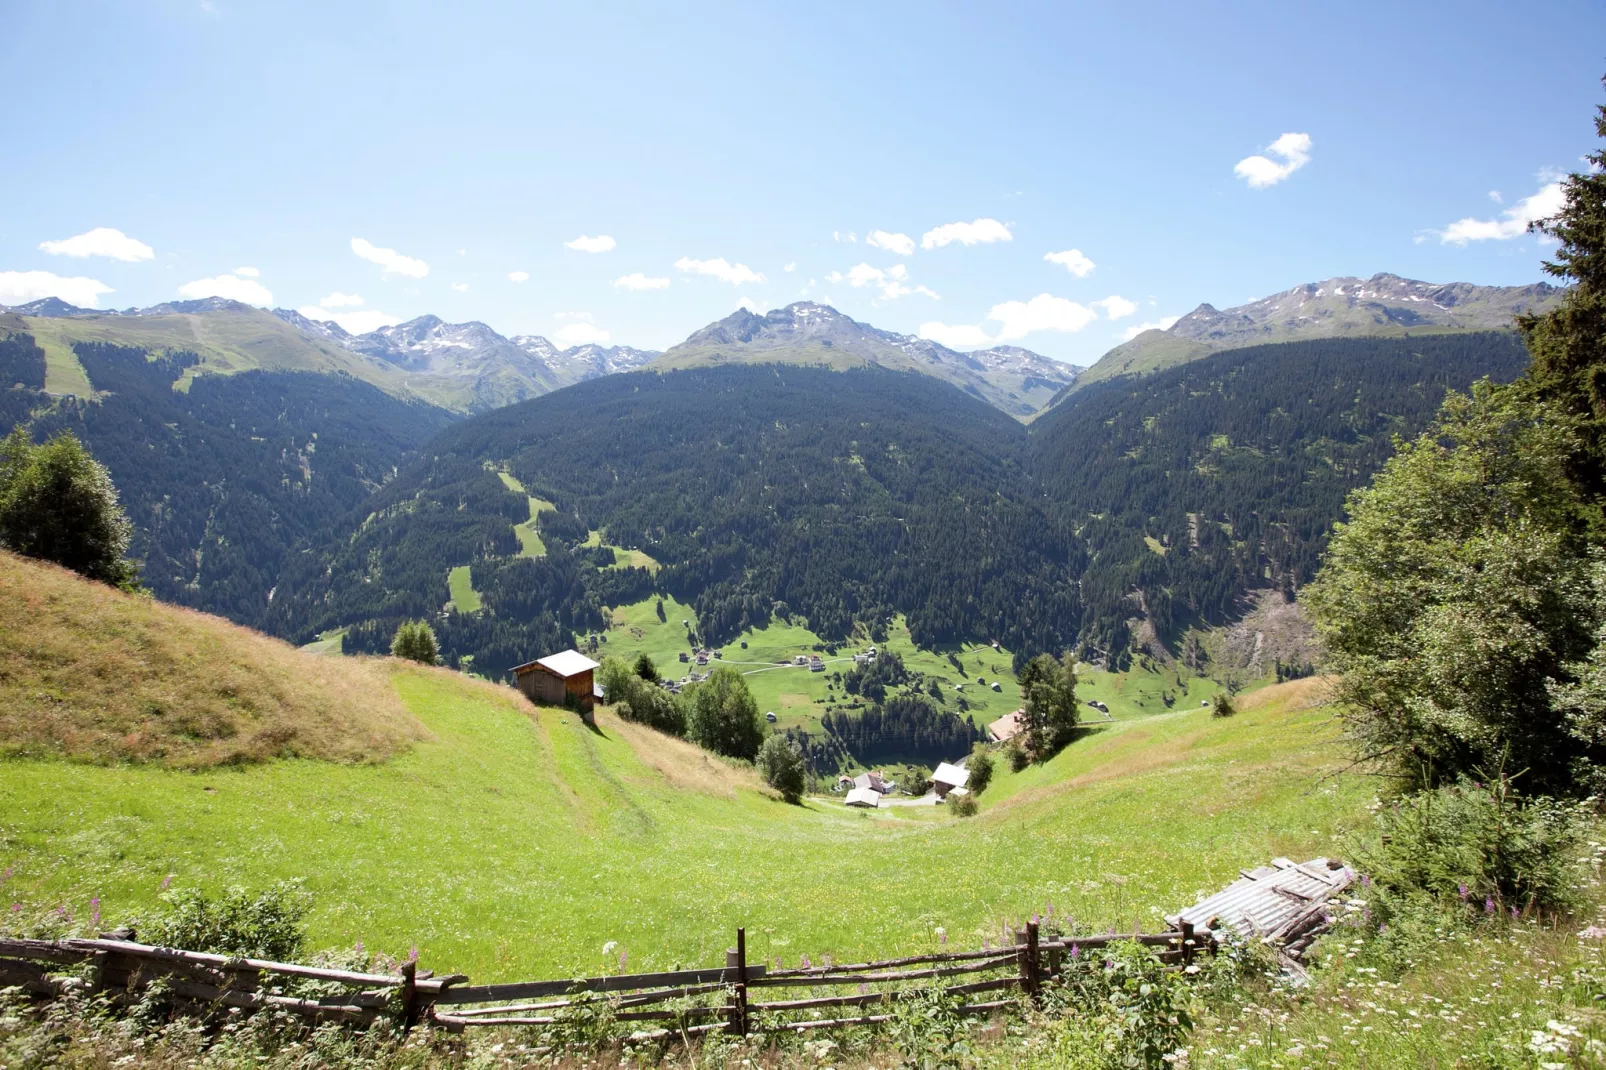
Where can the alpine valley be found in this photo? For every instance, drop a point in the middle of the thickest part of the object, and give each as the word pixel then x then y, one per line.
pixel 796 468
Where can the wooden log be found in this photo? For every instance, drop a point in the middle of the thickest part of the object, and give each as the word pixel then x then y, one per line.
pixel 620 983
pixel 32 977
pixel 886 964
pixel 998 962
pixel 40 951
pixel 635 999
pixel 1186 930
pixel 225 962
pixel 869 998
pixel 1104 940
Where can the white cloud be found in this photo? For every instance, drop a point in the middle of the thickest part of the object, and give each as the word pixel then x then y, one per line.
pixel 892 282
pixel 1164 323
pixel 1116 307
pixel 579 334
pixel 247 272
pixel 231 287
pixel 393 262
pixel 360 321
pixel 748 303
pixel 792 266
pixel 844 236
pixel 1494 195
pixel 900 244
pixel 956 335
pixel 638 281
pixel 460 287
pixel 719 268
pixel 600 244
pixel 1513 222
pixel 102 241
pixel 1073 261
pixel 1262 171
pixel 518 276
pixel 20 287
pixel 980 231
pixel 1044 312
pixel 341 300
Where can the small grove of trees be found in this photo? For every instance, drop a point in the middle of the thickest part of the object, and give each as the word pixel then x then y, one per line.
pixel 57 503
pixel 415 641
pixel 1048 685
pixel 637 697
pixel 780 763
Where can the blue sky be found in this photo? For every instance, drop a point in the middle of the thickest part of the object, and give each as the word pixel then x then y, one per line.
pixel 746 152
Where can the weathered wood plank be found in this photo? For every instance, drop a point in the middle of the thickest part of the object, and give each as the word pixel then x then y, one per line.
pixel 998 962
pixel 627 982
pixel 224 962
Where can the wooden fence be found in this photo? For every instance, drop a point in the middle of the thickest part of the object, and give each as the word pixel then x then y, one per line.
pixel 738 997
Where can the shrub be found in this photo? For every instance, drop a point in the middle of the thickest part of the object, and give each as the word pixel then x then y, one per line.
pixel 963 805
pixel 267 925
pixel 646 669
pixel 58 503
pixel 980 765
pixel 1480 844
pixel 1136 1011
pixel 415 641
pixel 929 1031
pixel 1018 758
pixel 1222 705
pixel 634 699
pixel 780 762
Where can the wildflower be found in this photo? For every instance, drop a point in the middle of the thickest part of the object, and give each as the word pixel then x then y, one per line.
pixel 358 948
pixel 7 874
pixel 607 949
pixel 942 935
pixel 412 956
pixel 624 957
pixel 1076 952
pixel 1488 904
pixel 1462 891
pixel 1593 932
pixel 806 963
pixel 166 881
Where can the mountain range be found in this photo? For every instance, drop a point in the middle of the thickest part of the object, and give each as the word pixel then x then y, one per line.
pixel 1340 307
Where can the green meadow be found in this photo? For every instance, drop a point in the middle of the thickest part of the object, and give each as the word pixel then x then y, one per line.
pixel 516 841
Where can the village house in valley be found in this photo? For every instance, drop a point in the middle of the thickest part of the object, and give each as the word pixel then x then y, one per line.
pixel 563 679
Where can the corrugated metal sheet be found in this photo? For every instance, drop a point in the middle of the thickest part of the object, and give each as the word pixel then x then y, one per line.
pixel 1268 900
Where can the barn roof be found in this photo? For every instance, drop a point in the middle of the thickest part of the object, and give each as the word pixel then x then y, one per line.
pixel 1006 727
pixel 864 797
pixel 953 775
pixel 565 664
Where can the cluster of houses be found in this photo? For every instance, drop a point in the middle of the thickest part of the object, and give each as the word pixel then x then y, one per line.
pixel 866 789
pixel 702 656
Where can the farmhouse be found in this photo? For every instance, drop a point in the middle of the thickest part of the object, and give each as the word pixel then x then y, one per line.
pixel 872 782
pixel 564 679
pixel 1007 727
pixel 949 778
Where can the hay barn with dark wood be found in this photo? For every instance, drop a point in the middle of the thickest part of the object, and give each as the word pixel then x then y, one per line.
pixel 563 679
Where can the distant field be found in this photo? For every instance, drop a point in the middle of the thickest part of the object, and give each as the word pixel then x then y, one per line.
pixel 516 842
pixel 623 558
pixel 798 697
pixel 461 584
pixel 530 544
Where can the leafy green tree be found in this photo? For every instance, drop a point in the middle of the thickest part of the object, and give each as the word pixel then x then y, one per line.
pixel 1048 685
pixel 1459 592
pixel 415 641
pixel 780 762
pixel 635 699
pixel 646 669
pixel 724 717
pixel 1221 705
pixel 980 765
pixel 57 503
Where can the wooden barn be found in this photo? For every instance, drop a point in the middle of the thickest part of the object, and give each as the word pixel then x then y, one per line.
pixel 564 679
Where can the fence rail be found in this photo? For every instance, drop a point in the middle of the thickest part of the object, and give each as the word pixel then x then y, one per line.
pixel 704 999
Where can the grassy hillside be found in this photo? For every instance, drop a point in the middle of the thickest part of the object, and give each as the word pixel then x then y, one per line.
pixel 87 672
pixel 517 841
pixel 227 341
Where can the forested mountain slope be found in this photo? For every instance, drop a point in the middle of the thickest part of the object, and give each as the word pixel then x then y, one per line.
pixel 1193 486
pixel 220 480
pixel 840 496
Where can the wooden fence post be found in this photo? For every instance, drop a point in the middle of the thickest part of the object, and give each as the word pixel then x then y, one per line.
pixel 736 959
pixel 1030 975
pixel 409 995
pixel 1187 941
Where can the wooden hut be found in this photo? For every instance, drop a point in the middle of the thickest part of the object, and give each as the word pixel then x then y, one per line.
pixel 564 679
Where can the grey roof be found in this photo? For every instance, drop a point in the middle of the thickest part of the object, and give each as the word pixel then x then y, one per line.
pixel 1268 901
pixel 948 773
pixel 864 797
